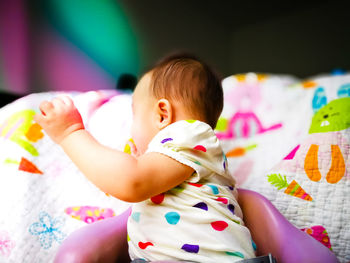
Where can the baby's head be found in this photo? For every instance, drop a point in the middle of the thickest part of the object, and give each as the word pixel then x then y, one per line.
pixel 187 81
pixel 179 87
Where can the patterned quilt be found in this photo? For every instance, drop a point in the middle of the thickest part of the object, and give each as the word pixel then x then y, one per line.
pixel 43 196
pixel 285 138
pixel 290 141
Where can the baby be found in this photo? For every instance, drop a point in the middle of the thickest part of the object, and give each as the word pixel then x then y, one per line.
pixel 185 203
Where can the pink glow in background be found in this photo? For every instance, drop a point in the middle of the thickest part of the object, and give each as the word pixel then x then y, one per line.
pixel 14 46
pixel 42 48
pixel 67 68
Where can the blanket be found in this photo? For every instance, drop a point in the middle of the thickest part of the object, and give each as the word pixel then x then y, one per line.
pixel 289 140
pixel 43 196
pixel 283 137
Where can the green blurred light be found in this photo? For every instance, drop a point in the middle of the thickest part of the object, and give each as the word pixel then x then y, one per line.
pixel 100 29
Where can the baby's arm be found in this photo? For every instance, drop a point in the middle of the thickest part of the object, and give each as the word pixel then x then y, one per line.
pixel 117 173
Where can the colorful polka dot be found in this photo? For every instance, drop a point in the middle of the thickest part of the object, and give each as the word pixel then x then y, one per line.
pixel 236 254
pixel 200 148
pixel 214 188
pixel 231 207
pixel 158 199
pixel 196 162
pixel 222 200
pixel 190 248
pixel 219 225
pixel 177 189
pixel 236 221
pixel 166 140
pixel 143 245
pixel 254 245
pixel 191 121
pixel 172 218
pixel 201 205
pixel 136 216
pixel 224 155
pixel 196 185
pixel 225 161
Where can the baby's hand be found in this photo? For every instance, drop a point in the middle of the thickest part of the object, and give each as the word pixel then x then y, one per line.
pixel 59 118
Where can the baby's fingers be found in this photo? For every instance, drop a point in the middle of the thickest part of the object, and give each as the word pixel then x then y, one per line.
pixel 45 107
pixel 58 103
pixel 67 100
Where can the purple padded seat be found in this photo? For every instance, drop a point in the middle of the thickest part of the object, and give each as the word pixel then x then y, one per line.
pixel 105 241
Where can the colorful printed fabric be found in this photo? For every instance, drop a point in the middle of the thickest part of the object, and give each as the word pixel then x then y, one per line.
pixel 200 219
pixel 42 194
pixel 320 234
pixel 89 214
pixel 313 180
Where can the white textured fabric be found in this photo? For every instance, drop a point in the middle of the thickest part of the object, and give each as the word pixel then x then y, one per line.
pixel 325 151
pixel 265 133
pixel 199 220
pixel 40 207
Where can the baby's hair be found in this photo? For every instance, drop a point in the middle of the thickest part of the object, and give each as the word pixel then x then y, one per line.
pixel 185 78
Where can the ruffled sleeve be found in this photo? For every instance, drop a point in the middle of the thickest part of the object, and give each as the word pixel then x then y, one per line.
pixel 192 143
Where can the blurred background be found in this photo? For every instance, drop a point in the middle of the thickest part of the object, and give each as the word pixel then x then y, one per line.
pixel 49 45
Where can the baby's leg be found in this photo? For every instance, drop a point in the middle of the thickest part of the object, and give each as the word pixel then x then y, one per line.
pixel 103 241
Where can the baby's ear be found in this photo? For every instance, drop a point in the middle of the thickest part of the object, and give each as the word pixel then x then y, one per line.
pixel 164 113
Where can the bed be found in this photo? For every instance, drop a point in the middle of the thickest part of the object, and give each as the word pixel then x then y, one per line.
pixel 286 138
